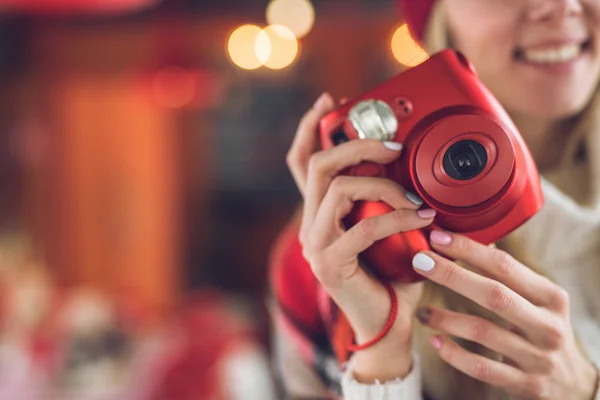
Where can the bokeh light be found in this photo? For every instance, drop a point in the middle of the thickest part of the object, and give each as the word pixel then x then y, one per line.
pixel 263 47
pixel 276 47
pixel 297 15
pixel 405 49
pixel 242 47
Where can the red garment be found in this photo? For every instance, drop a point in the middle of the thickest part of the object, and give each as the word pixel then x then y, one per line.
pixel 306 313
pixel 416 13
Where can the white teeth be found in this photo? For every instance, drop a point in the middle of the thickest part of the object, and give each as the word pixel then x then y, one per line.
pixel 555 55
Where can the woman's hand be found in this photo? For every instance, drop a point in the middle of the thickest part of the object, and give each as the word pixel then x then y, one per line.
pixel 332 251
pixel 542 360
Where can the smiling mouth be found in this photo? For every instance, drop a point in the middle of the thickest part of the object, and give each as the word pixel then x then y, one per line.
pixel 555 54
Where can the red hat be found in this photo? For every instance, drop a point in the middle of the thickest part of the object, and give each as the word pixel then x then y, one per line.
pixel 416 13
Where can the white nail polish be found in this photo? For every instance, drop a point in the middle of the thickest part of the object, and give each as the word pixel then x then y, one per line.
pixel 393 145
pixel 423 262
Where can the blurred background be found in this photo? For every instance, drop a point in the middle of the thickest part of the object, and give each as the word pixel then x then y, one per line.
pixel 143 181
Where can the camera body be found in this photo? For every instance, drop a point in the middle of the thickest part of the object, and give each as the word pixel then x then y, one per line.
pixel 461 154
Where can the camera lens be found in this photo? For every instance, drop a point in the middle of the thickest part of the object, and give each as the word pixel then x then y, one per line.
pixel 465 160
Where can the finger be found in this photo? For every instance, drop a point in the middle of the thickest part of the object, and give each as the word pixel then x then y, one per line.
pixel 481 368
pixel 306 140
pixel 366 232
pixel 337 267
pixel 486 292
pixel 326 165
pixel 503 268
pixel 479 330
pixel 339 201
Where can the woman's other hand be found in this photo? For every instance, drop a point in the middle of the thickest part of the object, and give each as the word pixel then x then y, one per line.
pixel 541 357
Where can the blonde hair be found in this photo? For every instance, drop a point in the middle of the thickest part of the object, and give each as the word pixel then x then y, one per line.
pixel 441 380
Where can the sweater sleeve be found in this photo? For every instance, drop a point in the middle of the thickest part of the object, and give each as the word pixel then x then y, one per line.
pixel 302 354
pixel 408 388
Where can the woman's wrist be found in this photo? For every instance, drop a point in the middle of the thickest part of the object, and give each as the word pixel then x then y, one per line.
pixel 387 360
pixel 367 308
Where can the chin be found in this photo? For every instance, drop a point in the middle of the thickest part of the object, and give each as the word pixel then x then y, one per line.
pixel 550 106
pixel 557 110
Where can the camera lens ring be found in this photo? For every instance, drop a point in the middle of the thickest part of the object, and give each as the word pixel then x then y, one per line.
pixel 433 183
pixel 465 160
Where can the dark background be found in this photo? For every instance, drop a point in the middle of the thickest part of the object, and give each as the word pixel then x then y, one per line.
pixel 232 192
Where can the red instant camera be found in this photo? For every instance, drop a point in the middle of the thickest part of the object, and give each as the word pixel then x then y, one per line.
pixel 462 154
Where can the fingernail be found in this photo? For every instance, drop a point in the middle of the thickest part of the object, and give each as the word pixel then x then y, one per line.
pixel 321 101
pixel 423 262
pixel 414 198
pixel 439 237
pixel 426 213
pixel 423 314
pixel 393 145
pixel 436 342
